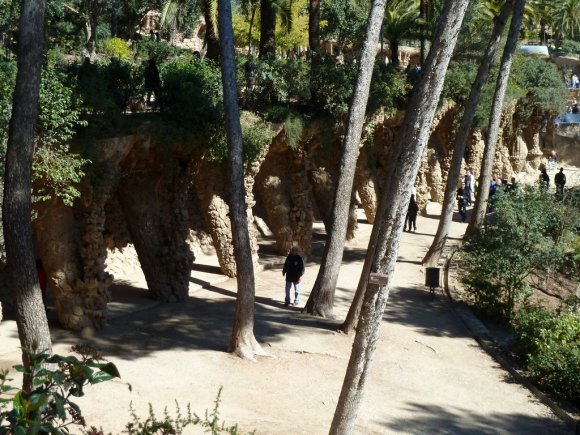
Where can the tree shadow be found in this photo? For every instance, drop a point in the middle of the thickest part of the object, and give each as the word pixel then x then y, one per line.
pixel 426 313
pixel 435 419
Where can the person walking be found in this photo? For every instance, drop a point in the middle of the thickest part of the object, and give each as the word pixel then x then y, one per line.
pixel 544 179
pixel 469 181
pixel 293 269
pixel 560 182
pixel 411 218
pixel 462 201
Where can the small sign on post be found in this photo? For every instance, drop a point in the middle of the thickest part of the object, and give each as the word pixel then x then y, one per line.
pixel 378 279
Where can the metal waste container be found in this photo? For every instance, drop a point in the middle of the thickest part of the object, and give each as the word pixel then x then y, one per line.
pixel 432 278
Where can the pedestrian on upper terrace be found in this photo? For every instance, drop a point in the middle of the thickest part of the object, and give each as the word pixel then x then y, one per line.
pixel 462 201
pixel 152 82
pixel 411 218
pixel 544 179
pixel 560 182
pixel 575 81
pixel 293 269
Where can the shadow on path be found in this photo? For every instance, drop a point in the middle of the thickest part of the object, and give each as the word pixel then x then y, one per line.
pixel 435 419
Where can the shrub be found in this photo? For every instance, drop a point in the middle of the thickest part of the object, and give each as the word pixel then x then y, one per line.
pixel 146 49
pixel 192 95
pixel 334 84
pixel 550 345
pixel 524 236
pixel 116 47
pixel 48 408
pixel 281 81
pixel 388 90
pixel 570 46
pixel 177 424
pixel 56 170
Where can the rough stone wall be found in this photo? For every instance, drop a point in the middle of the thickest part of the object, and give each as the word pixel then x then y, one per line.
pixel 210 183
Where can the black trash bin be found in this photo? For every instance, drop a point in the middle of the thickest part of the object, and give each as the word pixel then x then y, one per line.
pixel 432 278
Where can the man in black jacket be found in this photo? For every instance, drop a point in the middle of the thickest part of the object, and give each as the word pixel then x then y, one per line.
pixel 293 269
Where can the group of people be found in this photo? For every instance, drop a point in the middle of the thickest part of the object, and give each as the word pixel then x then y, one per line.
pixel 559 181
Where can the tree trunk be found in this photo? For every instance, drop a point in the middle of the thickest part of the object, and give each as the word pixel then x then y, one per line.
pixel 314 25
pixel 434 253
pixel 394 49
pixel 267 28
pixel 393 203
pixel 321 298
pixel 212 40
pixel 479 210
pixel 422 16
pixel 253 17
pixel 30 315
pixel 242 342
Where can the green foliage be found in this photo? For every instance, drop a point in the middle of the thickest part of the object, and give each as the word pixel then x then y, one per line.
pixel 56 170
pixel 256 136
pixel 281 81
pixel 116 47
pixel 541 83
pixel 550 345
pixel 334 83
pixel 345 21
pixel 388 90
pixel 49 408
pixel 179 423
pixel 293 127
pixel 192 95
pixel 524 236
pixel 570 46
pixel 150 49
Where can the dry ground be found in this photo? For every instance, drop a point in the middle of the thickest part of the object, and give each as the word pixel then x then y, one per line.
pixel 428 376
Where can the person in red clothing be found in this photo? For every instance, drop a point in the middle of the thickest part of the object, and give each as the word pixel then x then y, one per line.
pixel 42 280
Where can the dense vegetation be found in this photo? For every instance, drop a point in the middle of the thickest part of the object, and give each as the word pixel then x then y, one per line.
pixel 531 238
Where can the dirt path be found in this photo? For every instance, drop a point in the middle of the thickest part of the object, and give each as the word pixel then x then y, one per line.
pixel 429 375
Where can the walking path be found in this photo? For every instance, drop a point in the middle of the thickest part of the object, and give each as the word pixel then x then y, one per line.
pixel 428 376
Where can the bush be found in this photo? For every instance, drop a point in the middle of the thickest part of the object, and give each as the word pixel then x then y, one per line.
pixel 116 47
pixel 524 235
pixel 570 46
pixel 550 345
pixel 192 96
pixel 334 84
pixel 146 49
pixel 177 424
pixel 281 81
pixel 48 408
pixel 388 90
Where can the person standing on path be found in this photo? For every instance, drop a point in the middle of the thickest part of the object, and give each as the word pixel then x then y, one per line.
pixel 293 269
pixel 462 201
pixel 469 180
pixel 411 218
pixel 560 182
pixel 544 179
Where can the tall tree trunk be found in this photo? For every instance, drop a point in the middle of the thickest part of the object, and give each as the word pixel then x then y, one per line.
pixel 213 45
pixel 395 198
pixel 314 25
pixel 422 16
pixel 267 28
pixel 242 342
pixel 252 18
pixel 434 253
pixel 30 315
pixel 478 212
pixel 321 298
